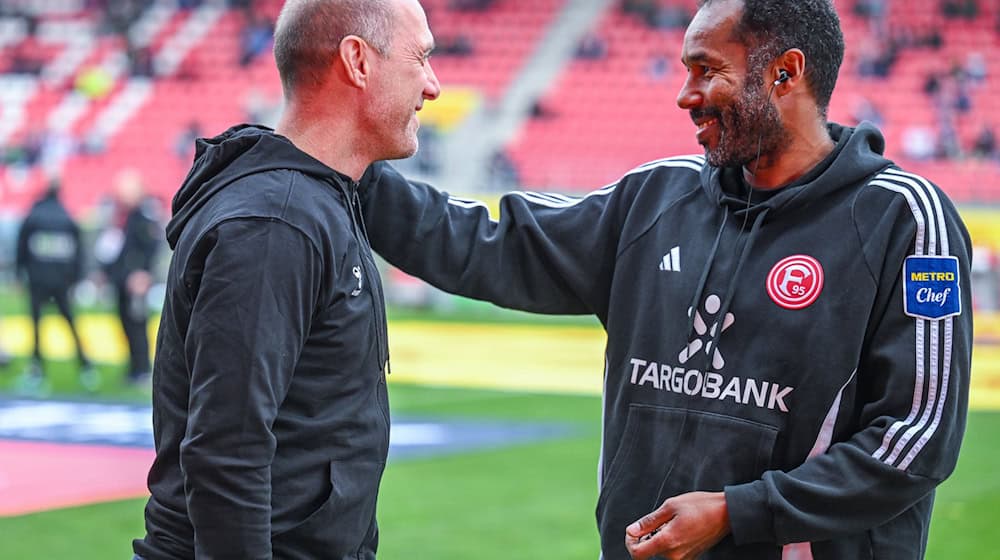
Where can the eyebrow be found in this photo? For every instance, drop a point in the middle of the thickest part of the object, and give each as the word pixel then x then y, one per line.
pixel 697 56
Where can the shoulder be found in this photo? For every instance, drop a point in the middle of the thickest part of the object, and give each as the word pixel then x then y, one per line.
pixel 659 184
pixel 908 193
pixel 314 206
pixel 914 206
pixel 671 176
pixel 677 168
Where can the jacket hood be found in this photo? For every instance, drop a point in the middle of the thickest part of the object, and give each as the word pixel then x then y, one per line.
pixel 856 156
pixel 238 152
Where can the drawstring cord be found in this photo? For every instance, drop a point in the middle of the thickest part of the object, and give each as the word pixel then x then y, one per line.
pixel 720 323
pixel 703 281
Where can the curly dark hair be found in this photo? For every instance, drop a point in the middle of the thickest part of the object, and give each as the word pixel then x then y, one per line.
pixel 770 27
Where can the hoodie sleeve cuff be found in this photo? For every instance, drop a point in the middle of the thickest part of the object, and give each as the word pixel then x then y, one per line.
pixel 749 517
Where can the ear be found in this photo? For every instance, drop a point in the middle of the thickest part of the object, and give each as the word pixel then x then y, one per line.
pixel 793 63
pixel 354 54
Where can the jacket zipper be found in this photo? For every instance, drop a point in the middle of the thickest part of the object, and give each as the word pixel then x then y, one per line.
pixel 371 270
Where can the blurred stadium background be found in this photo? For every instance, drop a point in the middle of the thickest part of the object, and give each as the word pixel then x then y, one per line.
pixel 554 95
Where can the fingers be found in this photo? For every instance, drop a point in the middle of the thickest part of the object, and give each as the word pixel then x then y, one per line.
pixel 650 522
pixel 644 546
pixel 641 537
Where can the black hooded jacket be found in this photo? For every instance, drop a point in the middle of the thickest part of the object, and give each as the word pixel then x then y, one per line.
pixel 49 252
pixel 270 409
pixel 807 353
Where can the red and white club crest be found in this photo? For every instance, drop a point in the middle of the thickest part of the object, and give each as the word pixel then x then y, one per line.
pixel 795 282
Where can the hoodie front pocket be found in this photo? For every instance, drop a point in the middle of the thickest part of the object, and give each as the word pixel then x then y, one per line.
pixel 337 529
pixel 670 451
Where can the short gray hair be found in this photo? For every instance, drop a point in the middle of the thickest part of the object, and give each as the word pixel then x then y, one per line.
pixel 308 35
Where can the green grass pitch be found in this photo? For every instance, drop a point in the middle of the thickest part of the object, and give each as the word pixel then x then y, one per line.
pixel 527 501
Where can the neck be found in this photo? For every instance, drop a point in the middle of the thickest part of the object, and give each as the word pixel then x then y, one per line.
pixel 326 133
pixel 806 147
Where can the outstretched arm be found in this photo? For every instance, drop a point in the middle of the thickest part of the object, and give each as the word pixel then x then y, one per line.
pixel 546 253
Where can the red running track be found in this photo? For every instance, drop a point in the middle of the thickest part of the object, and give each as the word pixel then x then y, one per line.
pixel 42 476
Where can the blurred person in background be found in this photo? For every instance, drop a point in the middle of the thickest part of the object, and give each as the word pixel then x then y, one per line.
pixel 789 316
pixel 270 408
pixel 50 260
pixel 126 250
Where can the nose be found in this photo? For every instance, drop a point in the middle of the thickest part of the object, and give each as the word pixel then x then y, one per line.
pixel 689 96
pixel 432 88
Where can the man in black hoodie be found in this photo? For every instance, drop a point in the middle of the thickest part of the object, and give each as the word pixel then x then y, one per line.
pixel 270 409
pixel 50 259
pixel 788 316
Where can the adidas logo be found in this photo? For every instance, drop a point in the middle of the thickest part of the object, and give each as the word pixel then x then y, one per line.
pixel 672 261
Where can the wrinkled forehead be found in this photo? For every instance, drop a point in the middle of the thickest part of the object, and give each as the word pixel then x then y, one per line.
pixel 713 28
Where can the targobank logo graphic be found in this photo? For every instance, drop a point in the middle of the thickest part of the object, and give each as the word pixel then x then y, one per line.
pixel 683 380
pixel 712 304
pixel 795 282
pixel 930 287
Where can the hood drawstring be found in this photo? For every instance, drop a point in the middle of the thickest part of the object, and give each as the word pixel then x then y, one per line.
pixel 703 281
pixel 723 319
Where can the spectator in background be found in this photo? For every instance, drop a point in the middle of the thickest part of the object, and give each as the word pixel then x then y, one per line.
pixel 954 9
pixel 873 10
pixel 50 260
pixel 877 58
pixel 591 47
pixel 126 250
pixel 932 84
pixel 976 68
pixel 140 60
pixel 255 37
pixel 671 17
pixel 864 110
pixel 658 67
pixel 26 58
pixel 428 158
pixel 985 144
pixel 471 5
pixel 459 45
pixel 184 144
pixel 503 175
pixel 919 143
pixel 646 10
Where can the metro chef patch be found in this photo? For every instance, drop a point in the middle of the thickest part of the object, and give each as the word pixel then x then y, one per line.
pixel 930 287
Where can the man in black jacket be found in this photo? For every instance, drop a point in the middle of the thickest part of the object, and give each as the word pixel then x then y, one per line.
pixel 270 409
pixel 127 249
pixel 50 258
pixel 788 315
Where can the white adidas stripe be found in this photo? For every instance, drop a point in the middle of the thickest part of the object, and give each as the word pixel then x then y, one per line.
pixel 695 163
pixel 948 331
pixel 554 200
pixel 931 230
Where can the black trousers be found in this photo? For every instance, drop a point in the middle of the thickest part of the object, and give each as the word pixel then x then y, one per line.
pixel 134 318
pixel 40 295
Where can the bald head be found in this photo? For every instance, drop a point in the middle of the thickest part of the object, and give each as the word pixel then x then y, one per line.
pixel 308 35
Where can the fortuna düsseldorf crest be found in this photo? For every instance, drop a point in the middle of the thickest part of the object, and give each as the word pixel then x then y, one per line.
pixel 795 282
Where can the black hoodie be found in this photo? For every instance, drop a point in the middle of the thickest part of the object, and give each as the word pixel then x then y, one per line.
pixel 270 410
pixel 49 252
pixel 807 352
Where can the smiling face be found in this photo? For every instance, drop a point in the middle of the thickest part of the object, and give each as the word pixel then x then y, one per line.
pixel 727 100
pixel 403 80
